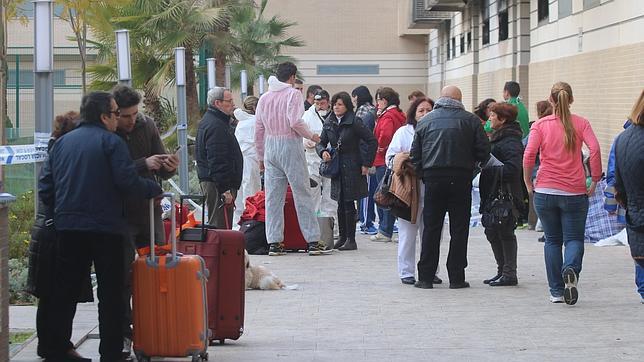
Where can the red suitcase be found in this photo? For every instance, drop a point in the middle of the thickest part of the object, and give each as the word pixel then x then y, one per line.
pixel 169 303
pixel 293 238
pixel 223 252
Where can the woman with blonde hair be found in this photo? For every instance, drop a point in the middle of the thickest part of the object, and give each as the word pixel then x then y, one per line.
pixel 629 174
pixel 245 134
pixel 560 192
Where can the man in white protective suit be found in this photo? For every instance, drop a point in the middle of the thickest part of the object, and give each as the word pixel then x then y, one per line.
pixel 279 130
pixel 325 206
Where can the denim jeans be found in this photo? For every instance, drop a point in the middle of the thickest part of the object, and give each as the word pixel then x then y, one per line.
pixel 366 206
pixel 639 279
pixel 564 221
pixel 387 220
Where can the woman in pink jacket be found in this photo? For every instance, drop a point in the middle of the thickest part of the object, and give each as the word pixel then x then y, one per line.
pixel 560 190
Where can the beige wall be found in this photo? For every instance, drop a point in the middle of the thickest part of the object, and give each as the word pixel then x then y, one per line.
pixel 605 86
pixel 356 32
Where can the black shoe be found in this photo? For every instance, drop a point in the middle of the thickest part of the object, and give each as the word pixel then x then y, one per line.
pixel 459 285
pixel 504 282
pixel 570 292
pixel 408 280
pixel 493 279
pixel 422 284
pixel 68 358
pixel 349 245
pixel 318 248
pixel 276 249
pixel 437 280
pixel 542 239
pixel 338 244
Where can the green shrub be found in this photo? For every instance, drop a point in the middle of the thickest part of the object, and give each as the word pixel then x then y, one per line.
pixel 17 282
pixel 21 218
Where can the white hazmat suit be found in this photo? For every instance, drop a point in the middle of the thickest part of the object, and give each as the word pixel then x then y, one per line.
pixel 251 181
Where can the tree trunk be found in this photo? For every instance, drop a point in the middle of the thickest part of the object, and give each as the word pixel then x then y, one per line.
pixel 152 104
pixel 220 69
pixel 191 88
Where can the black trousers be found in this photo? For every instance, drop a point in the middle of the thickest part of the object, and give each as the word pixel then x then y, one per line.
pixel 346 219
pixel 76 251
pixel 504 247
pixel 451 195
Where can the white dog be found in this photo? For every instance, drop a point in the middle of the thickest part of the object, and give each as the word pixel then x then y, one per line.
pixel 259 277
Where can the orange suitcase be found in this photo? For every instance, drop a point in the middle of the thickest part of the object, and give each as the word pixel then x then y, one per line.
pixel 169 307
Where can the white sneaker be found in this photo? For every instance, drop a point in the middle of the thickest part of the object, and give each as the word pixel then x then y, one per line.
pixel 554 299
pixel 380 238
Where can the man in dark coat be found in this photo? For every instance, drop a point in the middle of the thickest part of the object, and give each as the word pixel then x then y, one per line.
pixel 219 158
pixel 445 148
pixel 148 152
pixel 88 172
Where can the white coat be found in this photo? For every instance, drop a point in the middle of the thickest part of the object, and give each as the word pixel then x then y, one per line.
pixel 251 181
pixel 324 205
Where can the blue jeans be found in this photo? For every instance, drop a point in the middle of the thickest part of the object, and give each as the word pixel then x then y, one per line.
pixel 564 221
pixel 639 279
pixel 366 206
pixel 386 221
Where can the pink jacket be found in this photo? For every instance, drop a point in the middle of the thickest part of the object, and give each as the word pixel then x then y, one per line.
pixel 279 114
pixel 560 169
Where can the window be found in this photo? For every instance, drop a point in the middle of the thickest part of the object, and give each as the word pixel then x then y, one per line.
pixel 503 20
pixel 469 41
pixel 565 8
pixel 590 4
pixel 345 69
pixel 27 78
pixel 454 47
pixel 485 15
pixel 543 10
pixel 449 50
pixel 462 44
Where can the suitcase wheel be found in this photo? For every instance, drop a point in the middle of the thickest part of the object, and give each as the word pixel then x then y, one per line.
pixel 140 357
pixel 200 358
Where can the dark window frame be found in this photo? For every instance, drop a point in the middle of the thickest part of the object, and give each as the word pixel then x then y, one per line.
pixel 543 11
pixel 485 16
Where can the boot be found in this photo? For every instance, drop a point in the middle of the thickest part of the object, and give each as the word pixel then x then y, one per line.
pixel 338 244
pixel 349 245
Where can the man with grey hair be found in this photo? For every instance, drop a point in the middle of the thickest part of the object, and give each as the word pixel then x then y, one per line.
pixel 219 158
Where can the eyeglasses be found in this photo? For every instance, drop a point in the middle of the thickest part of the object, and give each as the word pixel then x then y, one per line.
pixel 116 112
pixel 227 100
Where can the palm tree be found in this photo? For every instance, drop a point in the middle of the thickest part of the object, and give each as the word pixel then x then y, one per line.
pixel 156 28
pixel 253 42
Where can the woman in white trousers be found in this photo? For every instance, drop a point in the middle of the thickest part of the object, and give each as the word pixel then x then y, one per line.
pixel 408 232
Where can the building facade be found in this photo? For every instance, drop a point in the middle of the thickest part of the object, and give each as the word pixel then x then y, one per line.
pixel 595 45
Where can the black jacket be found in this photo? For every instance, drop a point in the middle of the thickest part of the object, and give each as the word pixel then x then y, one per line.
pixel 352 156
pixel 219 158
pixel 144 141
pixel 448 142
pixel 507 147
pixel 87 176
pixel 629 173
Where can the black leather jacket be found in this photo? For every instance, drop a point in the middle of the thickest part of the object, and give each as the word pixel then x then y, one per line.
pixel 448 142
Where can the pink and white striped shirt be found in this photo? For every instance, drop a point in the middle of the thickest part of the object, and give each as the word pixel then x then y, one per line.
pixel 279 114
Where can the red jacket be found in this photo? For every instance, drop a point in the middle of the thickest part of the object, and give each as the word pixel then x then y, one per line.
pixel 388 123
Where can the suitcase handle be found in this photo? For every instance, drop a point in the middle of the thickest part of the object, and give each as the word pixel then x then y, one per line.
pixel 202 200
pixel 173 223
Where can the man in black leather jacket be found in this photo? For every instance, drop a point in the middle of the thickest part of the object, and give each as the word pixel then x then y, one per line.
pixel 447 144
pixel 219 158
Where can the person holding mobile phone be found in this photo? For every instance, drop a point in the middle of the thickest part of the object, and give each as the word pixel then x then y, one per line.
pixel 152 162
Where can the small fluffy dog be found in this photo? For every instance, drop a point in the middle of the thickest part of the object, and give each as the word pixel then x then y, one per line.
pixel 259 277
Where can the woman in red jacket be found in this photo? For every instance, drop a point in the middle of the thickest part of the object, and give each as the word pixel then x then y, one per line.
pixel 390 118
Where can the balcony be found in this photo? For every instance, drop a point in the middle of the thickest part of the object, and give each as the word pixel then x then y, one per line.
pixel 424 15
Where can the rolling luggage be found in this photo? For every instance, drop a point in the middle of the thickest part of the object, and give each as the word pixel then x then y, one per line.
pixel 293 238
pixel 223 252
pixel 169 302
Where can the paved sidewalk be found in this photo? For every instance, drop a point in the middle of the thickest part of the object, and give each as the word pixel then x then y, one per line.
pixel 351 306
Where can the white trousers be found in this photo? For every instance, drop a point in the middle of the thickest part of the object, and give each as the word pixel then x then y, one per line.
pixel 285 164
pixel 408 236
pixel 251 184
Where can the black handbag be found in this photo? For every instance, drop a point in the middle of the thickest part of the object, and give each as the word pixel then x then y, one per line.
pixel 331 168
pixel 498 210
pixel 42 257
